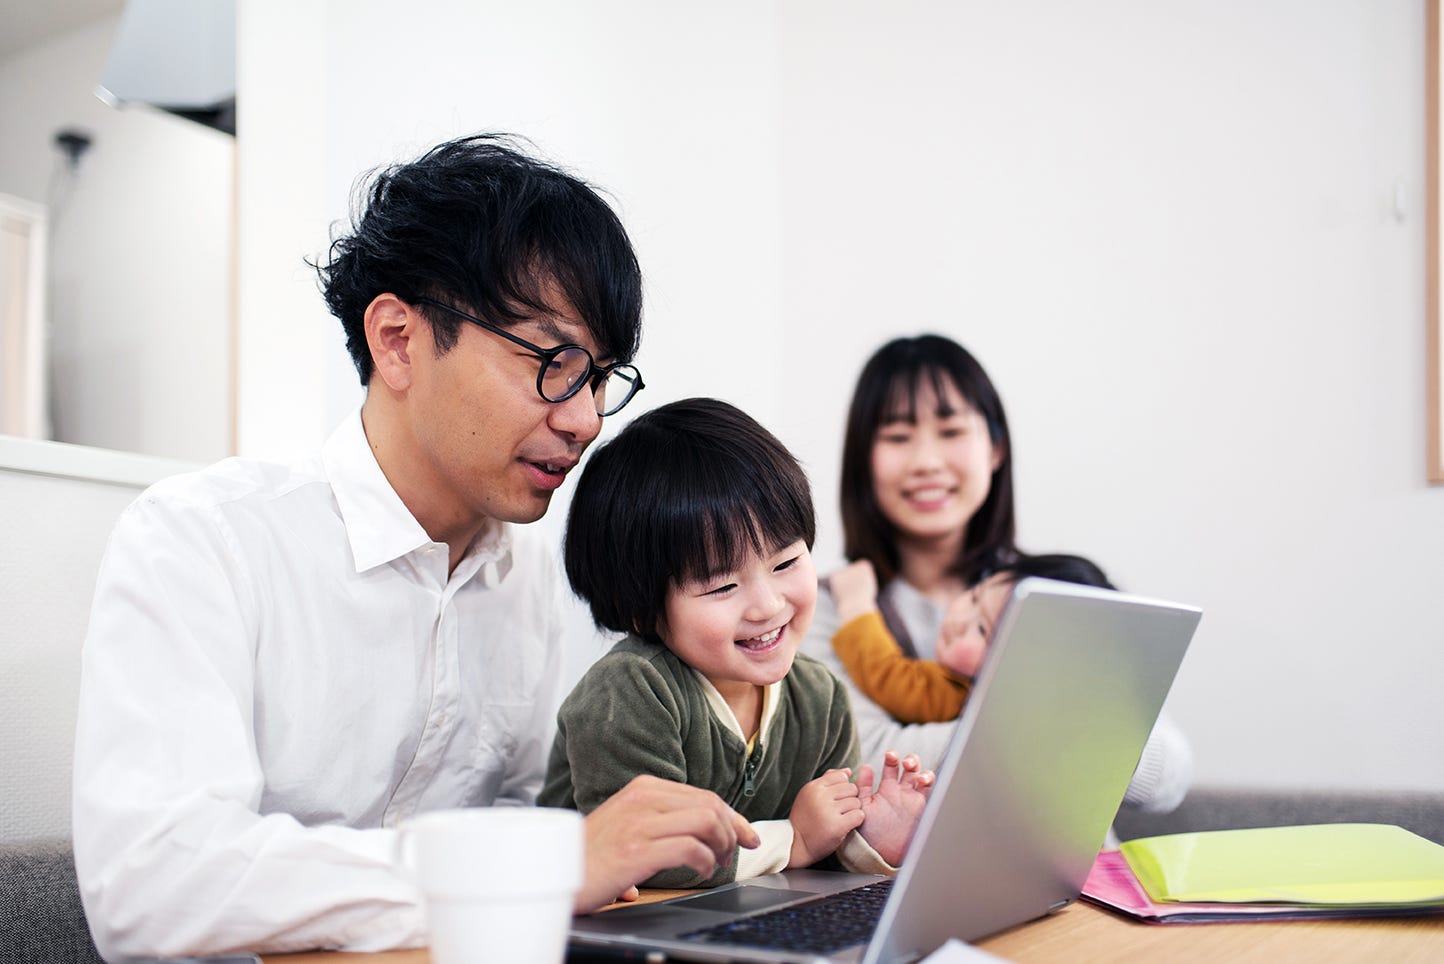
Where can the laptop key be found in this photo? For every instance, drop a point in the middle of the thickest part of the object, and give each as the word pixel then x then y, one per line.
pixel 820 926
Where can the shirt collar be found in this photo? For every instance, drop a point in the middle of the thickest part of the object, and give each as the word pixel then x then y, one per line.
pixel 723 712
pixel 378 524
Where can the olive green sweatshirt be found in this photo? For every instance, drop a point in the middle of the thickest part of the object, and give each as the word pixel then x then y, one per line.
pixel 639 709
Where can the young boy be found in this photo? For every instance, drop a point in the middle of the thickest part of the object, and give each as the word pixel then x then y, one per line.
pixel 691 532
pixel 928 691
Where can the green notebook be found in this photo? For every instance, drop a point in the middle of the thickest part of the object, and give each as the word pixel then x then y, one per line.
pixel 1341 864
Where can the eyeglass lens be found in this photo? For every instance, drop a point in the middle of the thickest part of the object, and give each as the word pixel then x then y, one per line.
pixel 561 375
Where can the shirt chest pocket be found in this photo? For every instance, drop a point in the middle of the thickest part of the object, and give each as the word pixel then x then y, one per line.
pixel 500 726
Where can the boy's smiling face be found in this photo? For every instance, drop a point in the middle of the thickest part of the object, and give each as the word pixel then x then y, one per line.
pixel 741 629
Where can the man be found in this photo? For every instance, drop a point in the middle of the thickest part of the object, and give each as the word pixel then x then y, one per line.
pixel 284 663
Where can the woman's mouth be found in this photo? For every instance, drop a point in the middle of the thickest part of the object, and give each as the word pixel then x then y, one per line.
pixel 930 497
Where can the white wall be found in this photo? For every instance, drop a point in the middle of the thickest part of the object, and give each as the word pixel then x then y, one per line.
pixel 55 524
pixel 140 260
pixel 1167 230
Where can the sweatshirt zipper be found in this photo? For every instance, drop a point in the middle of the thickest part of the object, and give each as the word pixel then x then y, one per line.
pixel 749 772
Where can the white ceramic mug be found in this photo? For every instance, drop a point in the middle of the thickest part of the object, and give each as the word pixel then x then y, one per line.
pixel 497 882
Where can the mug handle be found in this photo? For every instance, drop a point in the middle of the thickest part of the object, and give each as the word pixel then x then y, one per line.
pixel 403 853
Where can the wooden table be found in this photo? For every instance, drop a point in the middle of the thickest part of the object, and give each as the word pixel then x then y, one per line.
pixel 1082 933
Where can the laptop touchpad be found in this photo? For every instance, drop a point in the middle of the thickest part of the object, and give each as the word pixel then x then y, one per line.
pixel 742 900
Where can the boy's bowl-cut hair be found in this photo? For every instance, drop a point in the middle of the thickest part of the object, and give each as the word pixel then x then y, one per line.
pixel 684 492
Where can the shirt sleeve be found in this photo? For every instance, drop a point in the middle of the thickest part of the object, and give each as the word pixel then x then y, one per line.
pixel 1164 772
pixel 771 855
pixel 910 690
pixel 172 853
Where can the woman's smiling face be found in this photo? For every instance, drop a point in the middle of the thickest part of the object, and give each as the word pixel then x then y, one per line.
pixel 932 463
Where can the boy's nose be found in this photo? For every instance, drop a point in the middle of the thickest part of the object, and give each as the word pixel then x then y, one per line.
pixel 764 604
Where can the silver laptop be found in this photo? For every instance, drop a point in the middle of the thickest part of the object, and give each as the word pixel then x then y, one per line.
pixel 1043 752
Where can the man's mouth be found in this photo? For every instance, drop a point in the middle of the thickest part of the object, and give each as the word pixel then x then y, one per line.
pixel 548 475
pixel 758 644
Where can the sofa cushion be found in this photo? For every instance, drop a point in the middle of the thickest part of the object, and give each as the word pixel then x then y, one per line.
pixel 41 918
pixel 1223 808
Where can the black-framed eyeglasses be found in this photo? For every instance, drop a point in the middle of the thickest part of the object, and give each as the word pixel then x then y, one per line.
pixel 566 368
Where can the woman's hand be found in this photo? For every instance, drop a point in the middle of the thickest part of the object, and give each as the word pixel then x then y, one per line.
pixel 826 810
pixel 854 589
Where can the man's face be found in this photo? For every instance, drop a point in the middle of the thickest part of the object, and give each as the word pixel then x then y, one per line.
pixel 486 443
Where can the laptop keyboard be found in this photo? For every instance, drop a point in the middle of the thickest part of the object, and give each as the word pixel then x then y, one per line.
pixel 819 926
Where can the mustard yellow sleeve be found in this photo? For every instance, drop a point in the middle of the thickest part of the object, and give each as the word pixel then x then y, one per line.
pixel 912 690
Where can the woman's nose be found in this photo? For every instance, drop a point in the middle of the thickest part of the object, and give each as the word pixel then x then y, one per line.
pixel 925 454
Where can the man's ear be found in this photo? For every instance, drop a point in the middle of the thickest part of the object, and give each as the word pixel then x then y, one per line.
pixel 392 330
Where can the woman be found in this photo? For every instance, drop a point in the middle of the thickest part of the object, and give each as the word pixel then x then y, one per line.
pixel 927 510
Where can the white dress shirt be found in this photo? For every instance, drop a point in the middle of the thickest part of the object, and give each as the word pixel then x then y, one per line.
pixel 278 671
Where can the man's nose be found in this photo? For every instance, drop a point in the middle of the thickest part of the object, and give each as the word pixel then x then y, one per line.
pixel 577 416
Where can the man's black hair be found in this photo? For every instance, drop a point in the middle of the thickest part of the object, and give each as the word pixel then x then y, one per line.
pixel 478 224
pixel 684 492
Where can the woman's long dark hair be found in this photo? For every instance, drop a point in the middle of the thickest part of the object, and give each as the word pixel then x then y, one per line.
pixel 897 369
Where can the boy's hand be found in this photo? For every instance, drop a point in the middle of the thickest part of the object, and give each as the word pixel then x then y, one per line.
pixel 892 809
pixel 825 811
pixel 854 589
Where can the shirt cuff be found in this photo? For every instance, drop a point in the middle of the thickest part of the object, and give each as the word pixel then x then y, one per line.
pixel 771 855
pixel 857 855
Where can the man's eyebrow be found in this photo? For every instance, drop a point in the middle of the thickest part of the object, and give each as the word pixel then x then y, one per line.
pixel 551 327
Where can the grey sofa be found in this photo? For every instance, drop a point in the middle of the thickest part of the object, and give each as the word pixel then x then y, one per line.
pixel 1224 808
pixel 41 919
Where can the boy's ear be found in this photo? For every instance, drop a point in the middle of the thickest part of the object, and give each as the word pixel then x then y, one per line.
pixel 393 333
